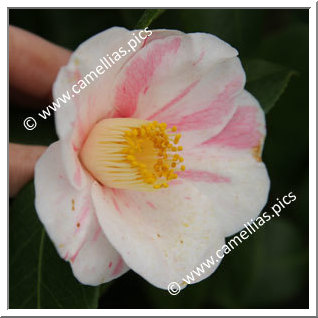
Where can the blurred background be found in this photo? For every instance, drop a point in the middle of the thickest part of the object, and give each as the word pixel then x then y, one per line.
pixel 270 269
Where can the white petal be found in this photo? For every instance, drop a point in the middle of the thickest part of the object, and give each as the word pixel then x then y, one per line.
pixel 92 101
pixel 70 220
pixel 162 235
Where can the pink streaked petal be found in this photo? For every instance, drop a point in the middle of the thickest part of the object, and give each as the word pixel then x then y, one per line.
pixel 203 176
pixel 93 261
pixel 160 34
pixel 241 132
pixel 139 73
pixel 234 156
pixel 175 100
pixel 151 204
pixel 69 218
pixel 97 233
pixel 116 205
pixel 199 58
pixel 74 256
pixel 143 88
pixel 92 102
pixel 74 171
pixel 214 113
pixel 118 267
pixel 198 96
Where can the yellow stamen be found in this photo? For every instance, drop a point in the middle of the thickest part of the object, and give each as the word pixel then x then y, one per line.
pixel 177 138
pixel 129 153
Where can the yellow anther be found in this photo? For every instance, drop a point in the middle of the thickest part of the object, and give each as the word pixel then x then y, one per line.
pixel 173 165
pixel 144 172
pixel 170 174
pixel 180 148
pixel 157 186
pixel 127 151
pixel 174 129
pixel 183 167
pixel 131 143
pixel 181 159
pixel 165 185
pixel 176 138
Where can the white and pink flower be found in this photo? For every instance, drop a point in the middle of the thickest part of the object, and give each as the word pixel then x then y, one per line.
pixel 118 194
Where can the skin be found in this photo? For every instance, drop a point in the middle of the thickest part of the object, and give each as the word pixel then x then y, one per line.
pixel 33 66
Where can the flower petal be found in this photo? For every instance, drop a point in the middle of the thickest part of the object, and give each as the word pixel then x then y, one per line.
pixel 70 220
pixel 73 168
pixel 197 95
pixel 162 235
pixel 92 103
pixel 88 104
pixel 228 168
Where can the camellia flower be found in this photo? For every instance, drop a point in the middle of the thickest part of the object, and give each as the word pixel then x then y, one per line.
pixel 158 160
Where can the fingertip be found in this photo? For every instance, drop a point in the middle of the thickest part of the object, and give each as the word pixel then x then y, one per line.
pixel 33 63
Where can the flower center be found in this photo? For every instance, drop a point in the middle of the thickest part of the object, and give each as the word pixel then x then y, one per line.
pixel 130 153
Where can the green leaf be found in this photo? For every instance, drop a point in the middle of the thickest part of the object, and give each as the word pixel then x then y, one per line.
pixel 148 17
pixel 39 278
pixel 266 81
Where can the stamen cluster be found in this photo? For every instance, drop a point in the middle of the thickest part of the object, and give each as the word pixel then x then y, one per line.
pixel 158 165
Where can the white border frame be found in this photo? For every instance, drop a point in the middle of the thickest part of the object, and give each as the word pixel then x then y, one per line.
pixel 312 162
